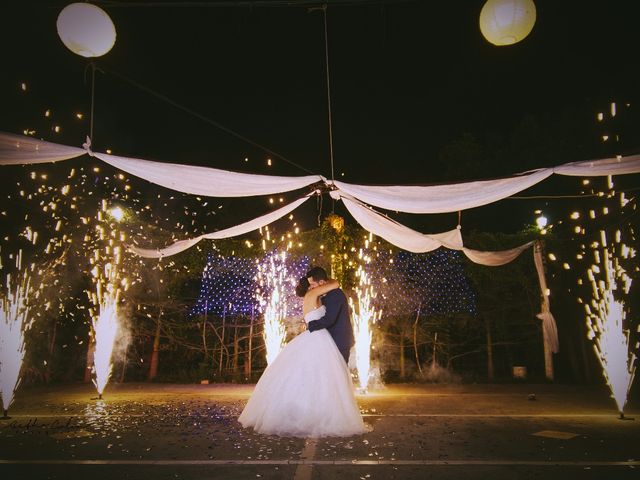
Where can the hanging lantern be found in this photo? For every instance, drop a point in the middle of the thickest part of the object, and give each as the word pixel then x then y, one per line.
pixel 86 29
pixel 505 22
pixel 336 222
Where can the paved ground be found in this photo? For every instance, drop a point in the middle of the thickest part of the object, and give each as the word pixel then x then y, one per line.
pixel 141 431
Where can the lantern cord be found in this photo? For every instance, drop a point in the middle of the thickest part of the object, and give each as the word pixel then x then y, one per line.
pixel 207 120
pixel 326 57
pixel 92 66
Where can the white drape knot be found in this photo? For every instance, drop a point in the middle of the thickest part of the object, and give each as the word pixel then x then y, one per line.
pixel 87 146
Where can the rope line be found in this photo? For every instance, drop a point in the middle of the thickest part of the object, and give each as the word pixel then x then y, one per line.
pixel 206 119
pixel 326 57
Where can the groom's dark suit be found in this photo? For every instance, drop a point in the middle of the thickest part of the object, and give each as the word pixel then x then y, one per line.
pixel 337 321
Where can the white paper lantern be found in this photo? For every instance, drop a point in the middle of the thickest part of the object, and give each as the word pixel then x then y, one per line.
pixel 86 29
pixel 505 22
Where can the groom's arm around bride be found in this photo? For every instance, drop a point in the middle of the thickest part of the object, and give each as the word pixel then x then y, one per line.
pixel 336 319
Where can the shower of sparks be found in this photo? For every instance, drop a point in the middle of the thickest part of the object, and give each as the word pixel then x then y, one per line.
pixel 364 316
pixel 105 299
pixel 606 319
pixel 14 322
pixel 273 281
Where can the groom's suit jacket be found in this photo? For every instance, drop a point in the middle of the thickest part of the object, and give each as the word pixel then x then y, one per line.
pixel 337 320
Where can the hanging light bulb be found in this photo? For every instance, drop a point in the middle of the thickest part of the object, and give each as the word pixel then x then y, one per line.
pixel 86 29
pixel 505 22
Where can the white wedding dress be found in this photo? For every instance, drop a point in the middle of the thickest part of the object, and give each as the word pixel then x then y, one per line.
pixel 306 391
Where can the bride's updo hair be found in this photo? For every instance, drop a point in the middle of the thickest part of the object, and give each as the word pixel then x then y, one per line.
pixel 302 287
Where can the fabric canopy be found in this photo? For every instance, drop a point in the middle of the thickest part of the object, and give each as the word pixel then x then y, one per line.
pixel 21 149
pixel 15 150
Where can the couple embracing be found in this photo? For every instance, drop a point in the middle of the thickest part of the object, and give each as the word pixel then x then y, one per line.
pixel 307 390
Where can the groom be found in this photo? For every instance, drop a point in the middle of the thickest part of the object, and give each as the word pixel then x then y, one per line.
pixel 337 320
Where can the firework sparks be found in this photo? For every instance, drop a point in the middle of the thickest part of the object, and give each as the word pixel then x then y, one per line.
pixel 14 322
pixel 606 319
pixel 105 298
pixel 272 281
pixel 363 320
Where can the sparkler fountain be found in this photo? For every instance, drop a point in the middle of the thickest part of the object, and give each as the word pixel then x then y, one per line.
pixel 363 320
pixel 272 280
pixel 605 318
pixel 105 299
pixel 14 322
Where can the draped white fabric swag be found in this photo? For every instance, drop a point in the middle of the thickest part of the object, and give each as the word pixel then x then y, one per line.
pixel 25 150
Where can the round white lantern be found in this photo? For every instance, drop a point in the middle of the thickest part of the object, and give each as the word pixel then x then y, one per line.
pixel 505 22
pixel 86 29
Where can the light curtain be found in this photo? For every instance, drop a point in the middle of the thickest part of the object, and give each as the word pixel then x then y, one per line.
pixel 241 229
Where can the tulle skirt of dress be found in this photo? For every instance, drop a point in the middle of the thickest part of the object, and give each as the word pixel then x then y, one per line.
pixel 306 392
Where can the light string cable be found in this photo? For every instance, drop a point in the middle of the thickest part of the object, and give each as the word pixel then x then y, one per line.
pixel 205 119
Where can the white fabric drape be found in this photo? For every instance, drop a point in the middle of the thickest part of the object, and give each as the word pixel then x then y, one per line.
pixel 549 327
pixel 211 182
pixel 207 181
pixel 398 234
pixel 461 196
pixel 597 168
pixel 442 198
pixel 495 259
pixel 241 229
pixel 21 149
pixel 25 150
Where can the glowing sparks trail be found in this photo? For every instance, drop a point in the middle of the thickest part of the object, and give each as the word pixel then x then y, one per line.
pixel 606 319
pixel 105 298
pixel 271 295
pixel 14 322
pixel 364 316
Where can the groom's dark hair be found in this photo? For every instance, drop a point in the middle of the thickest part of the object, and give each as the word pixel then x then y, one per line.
pixel 317 273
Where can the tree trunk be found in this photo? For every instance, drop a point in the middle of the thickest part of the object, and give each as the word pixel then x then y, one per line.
pixel 204 332
pixel 153 368
pixel 402 369
pixel 247 358
pixel 52 343
pixel 415 340
pixel 124 365
pixel 583 350
pixel 235 346
pixel 490 369
pixel 91 348
pixel 222 343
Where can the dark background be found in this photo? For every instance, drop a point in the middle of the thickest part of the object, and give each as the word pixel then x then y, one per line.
pixel 418 95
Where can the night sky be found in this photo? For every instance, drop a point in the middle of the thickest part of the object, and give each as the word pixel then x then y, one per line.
pixel 408 78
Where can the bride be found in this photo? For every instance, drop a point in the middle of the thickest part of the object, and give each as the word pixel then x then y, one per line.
pixel 307 390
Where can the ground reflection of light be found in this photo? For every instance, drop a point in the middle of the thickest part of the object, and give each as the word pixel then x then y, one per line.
pixel 606 319
pixel 99 417
pixel 364 316
pixel 14 322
